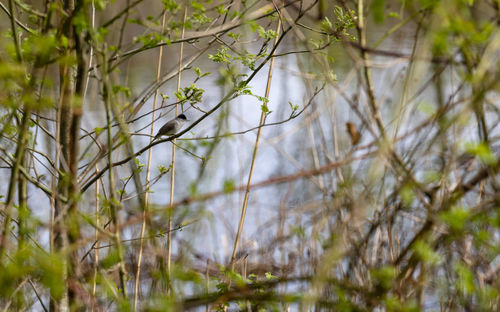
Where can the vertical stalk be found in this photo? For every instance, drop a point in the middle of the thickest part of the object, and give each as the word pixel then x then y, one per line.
pixel 172 176
pixel 254 154
pixel 66 184
pixel 22 221
pixel 112 195
pixel 14 31
pixel 148 172
pixel 125 132
pixel 112 204
pixel 14 176
pixel 96 248
pixel 19 148
pixel 56 205
pixel 207 284
pixel 367 71
pixel 97 189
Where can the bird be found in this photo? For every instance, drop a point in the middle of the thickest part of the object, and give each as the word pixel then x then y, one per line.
pixel 172 127
pixel 353 133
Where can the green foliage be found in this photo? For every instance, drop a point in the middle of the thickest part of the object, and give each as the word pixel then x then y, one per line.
pixel 326 212
pixel 42 49
pixel 170 5
pixel 392 303
pixel 230 75
pixel 265 109
pixel 456 218
pixel 140 165
pixel 407 193
pixel 432 176
pixel 191 94
pixel 269 276
pixel 248 59
pixel 425 252
pixel 234 36
pixel 221 56
pixel 101 4
pixel 111 259
pixel 98 130
pixel 378 8
pixel 193 188
pixel 457 28
pixel 465 281
pixel 221 9
pixel 293 107
pixel 482 151
pixel 229 185
pixel 50 269
pixel 162 169
pixel 383 277
pixel 122 89
pixel 427 108
pixel 338 29
pixel 199 74
pixel 150 40
pixel 12 79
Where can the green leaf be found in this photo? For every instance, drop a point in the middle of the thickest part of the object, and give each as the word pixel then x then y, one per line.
pixel 482 151
pixel 221 9
pixel 269 276
pixel 162 169
pixel 198 72
pixel 293 107
pixel 425 252
pixel 263 99
pixel 50 269
pixel 465 278
pixel 326 24
pixel 110 260
pixel 139 164
pixel 266 34
pixel 456 218
pixel 197 6
pixel 170 5
pixel 427 108
pixel 229 186
pixel 378 7
pixel 384 276
pixel 126 91
pixel 100 4
pixel 407 194
pixel 394 15
pixel 221 56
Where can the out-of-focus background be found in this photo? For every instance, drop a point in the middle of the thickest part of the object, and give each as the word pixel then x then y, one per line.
pixel 339 155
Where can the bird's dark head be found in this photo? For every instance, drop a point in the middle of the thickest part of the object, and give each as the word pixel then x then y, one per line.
pixel 182 116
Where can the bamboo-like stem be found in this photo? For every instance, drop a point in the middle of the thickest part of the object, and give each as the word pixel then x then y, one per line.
pixel 367 71
pixel 14 31
pixel 172 174
pixel 112 198
pixel 97 189
pixel 207 283
pixel 23 217
pixel 254 154
pixel 148 173
pixel 19 156
pixel 19 162
pixel 96 249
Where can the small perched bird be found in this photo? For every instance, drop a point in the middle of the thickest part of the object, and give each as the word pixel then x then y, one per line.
pixel 353 133
pixel 172 127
